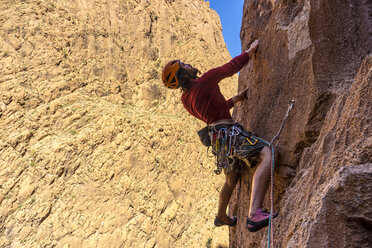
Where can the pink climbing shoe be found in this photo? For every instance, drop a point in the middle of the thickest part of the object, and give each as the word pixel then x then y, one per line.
pixel 260 220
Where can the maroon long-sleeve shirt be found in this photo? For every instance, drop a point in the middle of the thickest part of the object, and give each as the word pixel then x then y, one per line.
pixel 204 99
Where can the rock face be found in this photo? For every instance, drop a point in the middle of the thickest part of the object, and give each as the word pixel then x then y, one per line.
pixel 318 53
pixel 94 151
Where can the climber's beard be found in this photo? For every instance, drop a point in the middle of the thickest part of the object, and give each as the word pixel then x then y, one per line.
pixel 194 72
pixel 191 71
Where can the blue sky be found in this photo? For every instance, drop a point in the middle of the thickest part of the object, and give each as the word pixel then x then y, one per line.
pixel 231 14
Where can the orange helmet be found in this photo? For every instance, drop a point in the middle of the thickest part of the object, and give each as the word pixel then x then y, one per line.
pixel 170 75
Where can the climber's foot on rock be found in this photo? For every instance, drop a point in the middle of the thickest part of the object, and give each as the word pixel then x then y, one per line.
pixel 229 221
pixel 260 220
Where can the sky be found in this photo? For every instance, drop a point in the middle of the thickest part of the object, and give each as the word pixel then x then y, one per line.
pixel 231 14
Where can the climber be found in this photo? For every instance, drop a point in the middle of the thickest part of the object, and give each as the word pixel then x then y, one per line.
pixel 202 98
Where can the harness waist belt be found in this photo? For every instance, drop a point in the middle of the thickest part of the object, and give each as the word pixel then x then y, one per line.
pixel 222 122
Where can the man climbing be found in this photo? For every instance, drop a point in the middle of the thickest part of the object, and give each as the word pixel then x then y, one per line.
pixel 202 98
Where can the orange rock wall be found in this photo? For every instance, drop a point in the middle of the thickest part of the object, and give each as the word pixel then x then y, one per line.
pixel 319 54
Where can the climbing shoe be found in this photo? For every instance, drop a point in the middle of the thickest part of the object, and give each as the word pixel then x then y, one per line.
pixel 260 220
pixel 219 222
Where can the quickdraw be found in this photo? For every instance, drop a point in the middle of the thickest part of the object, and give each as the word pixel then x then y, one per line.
pixel 225 139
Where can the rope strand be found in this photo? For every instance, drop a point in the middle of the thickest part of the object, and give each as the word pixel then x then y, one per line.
pixel 270 235
pixel 270 239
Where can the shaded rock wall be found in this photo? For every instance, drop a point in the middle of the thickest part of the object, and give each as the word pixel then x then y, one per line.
pixel 94 151
pixel 318 53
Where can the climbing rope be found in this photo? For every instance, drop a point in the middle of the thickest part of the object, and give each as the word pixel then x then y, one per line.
pixel 270 239
pixel 271 227
pixel 291 104
pixel 271 231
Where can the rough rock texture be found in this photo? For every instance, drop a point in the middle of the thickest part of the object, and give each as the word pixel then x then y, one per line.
pixel 94 151
pixel 317 52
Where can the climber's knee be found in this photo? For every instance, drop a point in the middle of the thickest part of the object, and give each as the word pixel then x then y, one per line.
pixel 231 179
pixel 265 154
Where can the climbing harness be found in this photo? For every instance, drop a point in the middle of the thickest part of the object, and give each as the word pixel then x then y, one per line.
pixel 270 241
pixel 228 144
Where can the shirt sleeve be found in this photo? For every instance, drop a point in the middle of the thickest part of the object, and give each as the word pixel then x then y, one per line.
pixel 227 70
pixel 230 103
